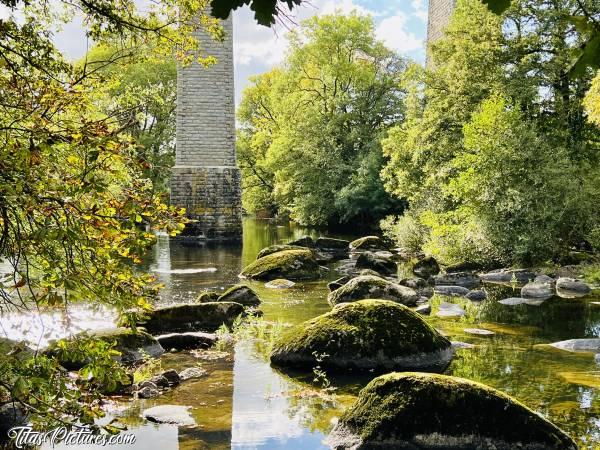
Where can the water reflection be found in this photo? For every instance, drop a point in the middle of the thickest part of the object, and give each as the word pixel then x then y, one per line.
pixel 245 404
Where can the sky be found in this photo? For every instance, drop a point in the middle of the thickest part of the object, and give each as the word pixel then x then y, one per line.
pixel 401 24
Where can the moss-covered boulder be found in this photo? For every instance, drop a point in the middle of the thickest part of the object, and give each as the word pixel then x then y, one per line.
pixel 134 346
pixel 241 294
pixel 427 411
pixel 207 297
pixel 369 286
pixel 304 241
pixel 192 317
pixel 380 264
pixel 289 264
pixel 426 267
pixel 376 335
pixel 328 244
pixel 368 243
pixel 277 248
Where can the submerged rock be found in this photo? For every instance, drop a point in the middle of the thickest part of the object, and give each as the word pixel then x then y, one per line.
pixel 514 301
pixel 450 310
pixel 207 297
pixel 573 285
pixel 520 276
pixel 171 414
pixel 289 264
pixel 336 284
pixel 368 243
pixel 370 260
pixel 578 345
pixel 277 248
pixel 280 283
pixel 427 411
pixel 241 294
pixel 187 341
pixel 365 335
pixel 172 377
pixel 451 291
pixel 148 390
pixel 195 317
pixel 368 286
pixel 191 373
pixel 537 290
pixel 426 267
pixel 464 279
pixel 479 331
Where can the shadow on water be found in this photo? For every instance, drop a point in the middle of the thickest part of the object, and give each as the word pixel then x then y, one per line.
pixel 244 403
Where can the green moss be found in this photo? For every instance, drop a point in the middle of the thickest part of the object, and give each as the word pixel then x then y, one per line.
pixel 369 286
pixel 368 243
pixel 241 294
pixel 400 406
pixel 277 248
pixel 290 264
pixel 367 334
pixel 207 297
pixel 192 317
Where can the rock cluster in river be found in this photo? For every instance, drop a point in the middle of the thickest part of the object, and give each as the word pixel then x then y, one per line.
pixel 368 286
pixel 289 264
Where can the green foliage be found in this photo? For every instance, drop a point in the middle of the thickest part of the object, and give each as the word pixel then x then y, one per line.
pixel 265 11
pixel 309 144
pixel 141 95
pixel 499 164
pixel 592 101
pixel 74 193
pixel 407 231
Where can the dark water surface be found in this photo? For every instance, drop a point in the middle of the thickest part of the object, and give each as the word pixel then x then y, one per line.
pixel 245 404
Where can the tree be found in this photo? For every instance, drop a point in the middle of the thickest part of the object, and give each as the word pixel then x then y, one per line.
pixel 73 195
pixel 142 96
pixel 312 126
pixel 479 189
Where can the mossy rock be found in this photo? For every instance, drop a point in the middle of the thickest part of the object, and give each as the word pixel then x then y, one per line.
pixel 241 294
pixel 134 346
pixel 192 317
pixel 304 241
pixel 289 264
pixel 277 248
pixel 325 243
pixel 368 243
pixel 426 267
pixel 369 286
pixel 371 261
pixel 208 297
pixel 377 335
pixel 427 411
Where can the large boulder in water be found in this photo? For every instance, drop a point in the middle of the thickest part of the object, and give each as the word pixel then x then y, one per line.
pixel 304 241
pixel 289 264
pixel 368 286
pixel 277 248
pixel 427 411
pixel 537 289
pixel 426 267
pixel 366 335
pixel 467 280
pixel 241 294
pixel 192 317
pixel 368 243
pixel 520 276
pixel 187 341
pixel 331 244
pixel 573 285
pixel 372 261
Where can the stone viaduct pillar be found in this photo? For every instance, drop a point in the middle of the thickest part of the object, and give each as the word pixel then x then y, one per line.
pixel 437 19
pixel 206 180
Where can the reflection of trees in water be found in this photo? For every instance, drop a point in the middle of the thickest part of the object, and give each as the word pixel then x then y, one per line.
pixel 532 376
pixel 557 318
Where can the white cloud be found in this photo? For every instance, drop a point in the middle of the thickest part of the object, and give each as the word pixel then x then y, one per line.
pixel 392 31
pixel 419 9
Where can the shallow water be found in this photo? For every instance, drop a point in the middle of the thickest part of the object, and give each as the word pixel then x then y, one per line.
pixel 245 404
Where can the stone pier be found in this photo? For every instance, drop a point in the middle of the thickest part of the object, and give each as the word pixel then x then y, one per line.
pixel 206 180
pixel 437 19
